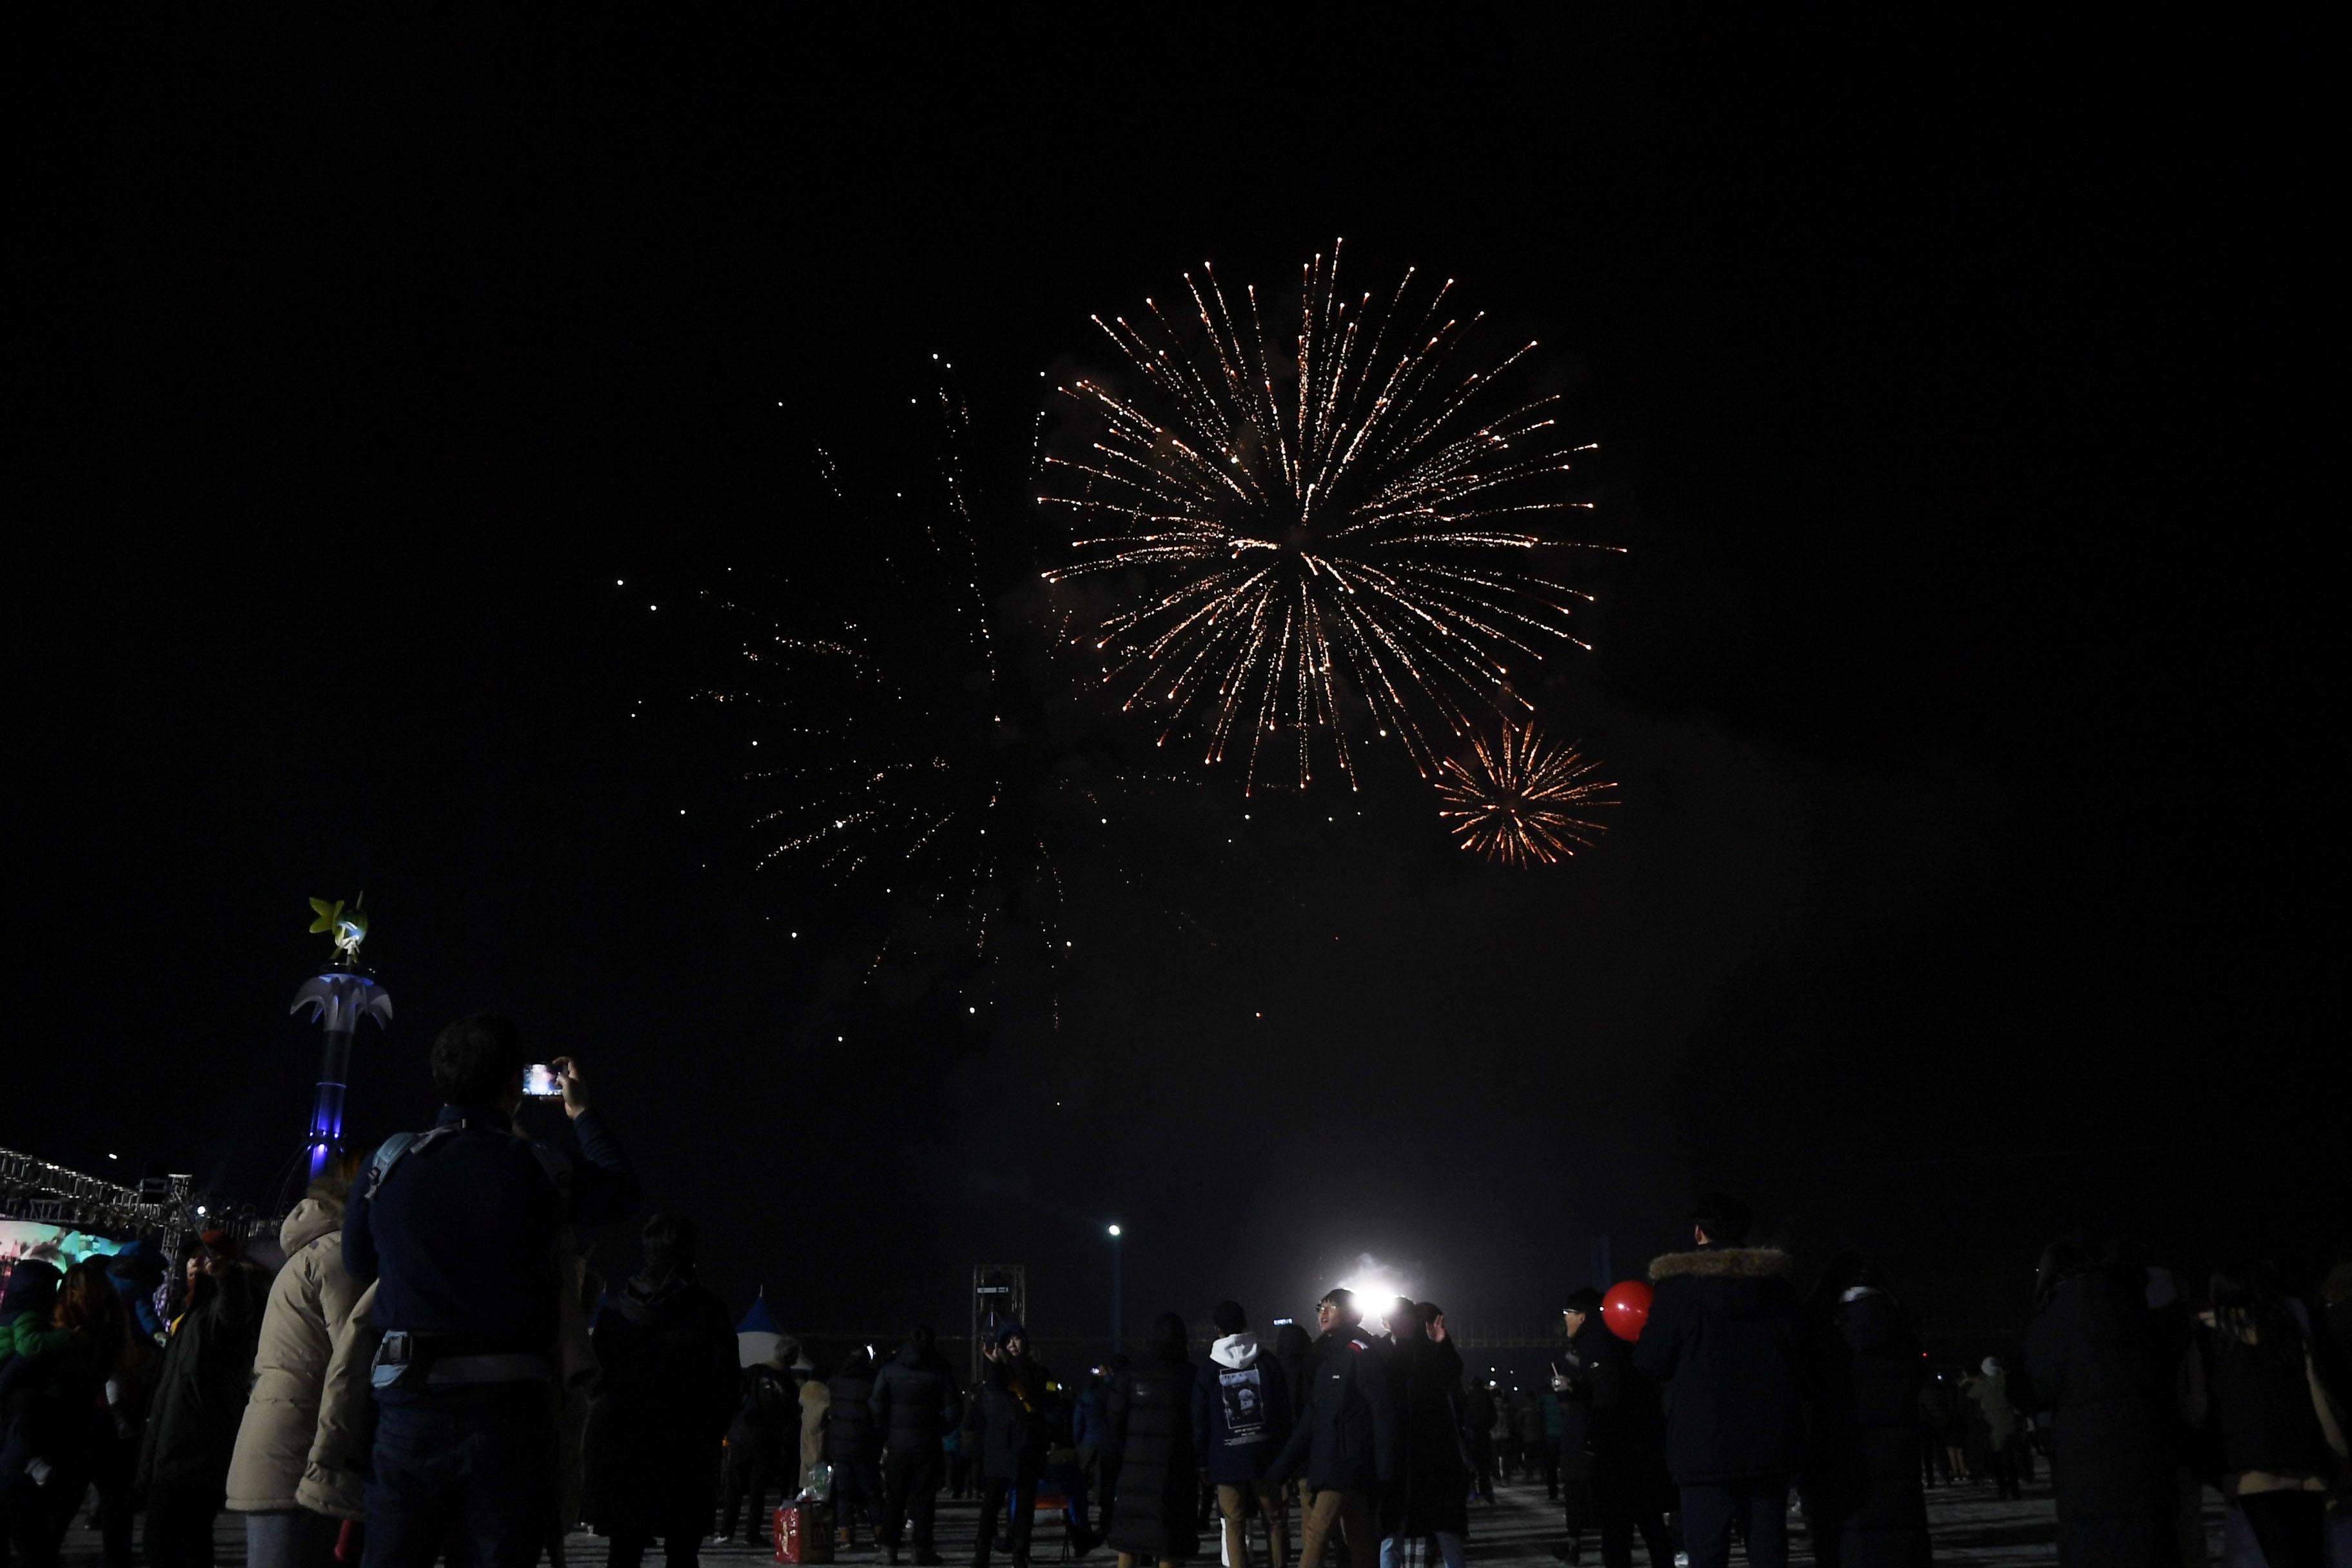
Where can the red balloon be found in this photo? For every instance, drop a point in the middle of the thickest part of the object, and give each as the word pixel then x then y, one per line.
pixel 1626 1307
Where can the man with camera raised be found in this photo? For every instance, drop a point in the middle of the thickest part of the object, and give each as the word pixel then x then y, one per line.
pixel 458 1225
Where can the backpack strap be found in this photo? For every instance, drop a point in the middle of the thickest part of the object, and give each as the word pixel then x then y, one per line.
pixel 390 1153
pixel 400 1145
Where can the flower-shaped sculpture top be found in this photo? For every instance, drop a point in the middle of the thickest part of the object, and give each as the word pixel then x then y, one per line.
pixel 348 926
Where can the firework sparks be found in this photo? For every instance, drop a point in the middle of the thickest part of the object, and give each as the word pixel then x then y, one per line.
pixel 1522 801
pixel 904 770
pixel 1354 515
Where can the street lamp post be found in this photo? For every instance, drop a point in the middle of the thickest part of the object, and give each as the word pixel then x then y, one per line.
pixel 1117 1343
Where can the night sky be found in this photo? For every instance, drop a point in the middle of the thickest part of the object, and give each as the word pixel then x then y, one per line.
pixel 1964 674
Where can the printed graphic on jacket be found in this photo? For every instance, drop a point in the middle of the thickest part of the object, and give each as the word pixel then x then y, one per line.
pixel 1245 1398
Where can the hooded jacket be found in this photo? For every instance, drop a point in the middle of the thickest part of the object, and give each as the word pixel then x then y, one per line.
pixel 1241 1411
pixel 1146 1409
pixel 1345 1438
pixel 137 1270
pixel 914 1404
pixel 310 1302
pixel 1723 1332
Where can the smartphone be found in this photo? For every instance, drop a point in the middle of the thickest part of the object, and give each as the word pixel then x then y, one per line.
pixel 539 1082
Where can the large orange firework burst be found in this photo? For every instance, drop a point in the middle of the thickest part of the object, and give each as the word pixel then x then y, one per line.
pixel 1521 800
pixel 1349 526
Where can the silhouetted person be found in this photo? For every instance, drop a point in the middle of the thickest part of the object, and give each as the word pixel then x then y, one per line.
pixel 1345 1442
pixel 1427 1497
pixel 1625 1437
pixel 1722 1331
pixel 2096 1361
pixel 1012 1422
pixel 1992 1427
pixel 915 1407
pixel 667 1347
pixel 53 1397
pixel 1864 1499
pixel 1241 1419
pixel 763 1447
pixel 2262 1396
pixel 853 1445
pixel 1478 1417
pixel 1148 1417
pixel 199 1403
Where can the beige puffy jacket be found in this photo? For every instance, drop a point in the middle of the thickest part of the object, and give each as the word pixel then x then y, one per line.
pixel 310 1303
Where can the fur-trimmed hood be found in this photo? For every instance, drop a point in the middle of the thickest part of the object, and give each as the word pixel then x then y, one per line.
pixel 1722 1263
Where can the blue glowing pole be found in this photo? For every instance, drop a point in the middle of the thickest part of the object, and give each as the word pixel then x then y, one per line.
pixel 338 998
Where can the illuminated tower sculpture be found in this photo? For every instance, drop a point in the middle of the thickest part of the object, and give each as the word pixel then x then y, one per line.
pixel 338 996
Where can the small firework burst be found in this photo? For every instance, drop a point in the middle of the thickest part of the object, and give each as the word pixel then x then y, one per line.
pixel 1521 800
pixel 911 766
pixel 1303 536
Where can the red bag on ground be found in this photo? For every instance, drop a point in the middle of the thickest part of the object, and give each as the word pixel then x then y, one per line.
pixel 803 1534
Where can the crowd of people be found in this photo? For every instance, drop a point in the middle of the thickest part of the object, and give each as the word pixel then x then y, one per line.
pixel 434 1372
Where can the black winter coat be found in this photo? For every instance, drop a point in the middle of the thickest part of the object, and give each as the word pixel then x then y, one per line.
pixel 1433 1483
pixel 767 1413
pixel 669 1394
pixel 2258 1404
pixel 2098 1363
pixel 1346 1438
pixel 1292 1351
pixel 1477 1411
pixel 53 1408
pixel 1722 1331
pixel 914 1403
pixel 1862 1468
pixel 1147 1419
pixel 1012 1418
pixel 200 1394
pixel 1625 1421
pixel 852 1436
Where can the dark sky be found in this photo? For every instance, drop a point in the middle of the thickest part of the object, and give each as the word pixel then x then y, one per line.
pixel 1963 675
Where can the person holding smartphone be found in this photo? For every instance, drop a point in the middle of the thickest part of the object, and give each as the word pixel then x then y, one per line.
pixel 457 1226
